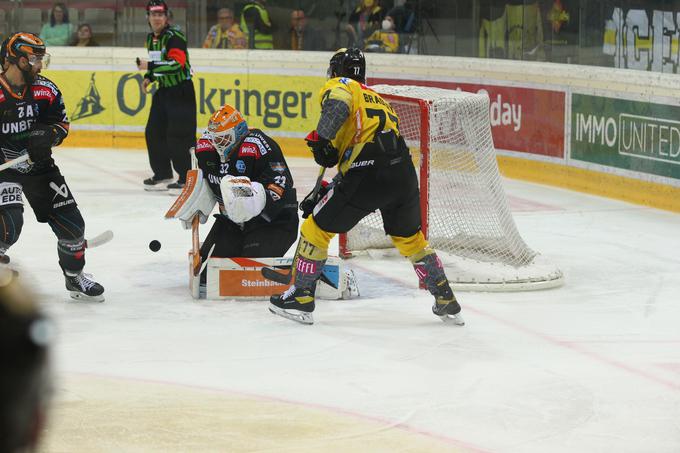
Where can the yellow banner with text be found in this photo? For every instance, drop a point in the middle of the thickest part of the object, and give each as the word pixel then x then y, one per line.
pixel 110 109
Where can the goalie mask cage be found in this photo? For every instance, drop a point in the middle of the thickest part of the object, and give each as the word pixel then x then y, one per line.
pixel 465 214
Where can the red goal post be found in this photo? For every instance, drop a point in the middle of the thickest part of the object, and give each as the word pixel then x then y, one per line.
pixel 464 210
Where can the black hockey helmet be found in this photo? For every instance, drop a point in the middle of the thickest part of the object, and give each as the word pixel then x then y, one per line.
pixel 156 6
pixel 348 63
pixel 27 45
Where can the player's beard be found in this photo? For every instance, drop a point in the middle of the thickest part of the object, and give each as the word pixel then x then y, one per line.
pixel 29 75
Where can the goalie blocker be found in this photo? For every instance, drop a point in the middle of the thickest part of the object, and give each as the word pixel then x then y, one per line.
pixel 241 278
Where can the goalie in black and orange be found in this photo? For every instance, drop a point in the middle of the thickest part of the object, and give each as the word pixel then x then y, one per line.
pixel 243 171
pixel 358 131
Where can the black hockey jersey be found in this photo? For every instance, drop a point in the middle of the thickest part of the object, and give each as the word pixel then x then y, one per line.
pixel 40 102
pixel 259 158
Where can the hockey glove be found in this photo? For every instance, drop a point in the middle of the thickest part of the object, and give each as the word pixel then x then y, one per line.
pixel 40 141
pixel 307 205
pixel 324 152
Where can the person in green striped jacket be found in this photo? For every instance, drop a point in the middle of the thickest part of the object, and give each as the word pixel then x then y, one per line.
pixel 171 128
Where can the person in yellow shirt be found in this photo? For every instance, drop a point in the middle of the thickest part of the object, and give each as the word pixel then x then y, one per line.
pixel 226 34
pixel 358 132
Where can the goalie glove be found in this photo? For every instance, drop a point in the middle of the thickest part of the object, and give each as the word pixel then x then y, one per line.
pixel 325 154
pixel 196 199
pixel 243 199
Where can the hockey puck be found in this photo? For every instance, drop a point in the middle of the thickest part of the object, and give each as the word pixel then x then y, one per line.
pixel 154 246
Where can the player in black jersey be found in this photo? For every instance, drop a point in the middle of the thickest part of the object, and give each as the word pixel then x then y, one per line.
pixel 33 120
pixel 171 128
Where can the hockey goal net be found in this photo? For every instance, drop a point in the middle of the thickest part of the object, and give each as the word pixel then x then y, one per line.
pixel 465 214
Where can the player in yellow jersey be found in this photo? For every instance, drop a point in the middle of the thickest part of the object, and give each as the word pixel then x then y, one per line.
pixel 359 132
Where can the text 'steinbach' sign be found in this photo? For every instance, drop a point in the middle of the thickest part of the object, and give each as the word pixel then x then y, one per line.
pixel 637 136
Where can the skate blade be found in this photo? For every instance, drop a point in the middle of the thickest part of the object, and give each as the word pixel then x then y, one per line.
pixel 84 297
pixel 155 189
pixel 456 319
pixel 302 317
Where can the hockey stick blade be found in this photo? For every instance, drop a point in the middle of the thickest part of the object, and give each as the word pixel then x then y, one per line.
pixel 278 277
pixel 98 240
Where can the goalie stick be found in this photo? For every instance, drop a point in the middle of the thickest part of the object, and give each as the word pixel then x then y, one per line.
pixel 284 278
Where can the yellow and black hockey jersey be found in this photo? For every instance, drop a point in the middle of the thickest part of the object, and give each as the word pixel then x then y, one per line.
pixel 369 114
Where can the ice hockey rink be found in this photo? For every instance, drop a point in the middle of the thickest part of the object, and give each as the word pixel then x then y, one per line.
pixel 592 366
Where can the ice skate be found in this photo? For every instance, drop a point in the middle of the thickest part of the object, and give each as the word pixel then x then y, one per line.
pixel 175 188
pixel 82 287
pixel 448 309
pixel 156 185
pixel 295 304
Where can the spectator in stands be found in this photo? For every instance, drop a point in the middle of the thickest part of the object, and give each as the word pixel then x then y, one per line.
pixel 303 36
pixel 364 20
pixel 59 32
pixel 257 26
pixel 25 380
pixel 84 37
pixel 226 34
pixel 385 39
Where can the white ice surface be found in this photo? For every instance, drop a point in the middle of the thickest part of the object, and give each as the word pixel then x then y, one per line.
pixel 593 366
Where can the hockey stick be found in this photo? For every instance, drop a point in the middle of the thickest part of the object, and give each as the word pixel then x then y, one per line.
pixel 205 263
pixel 195 249
pixel 93 242
pixel 98 240
pixel 284 278
pixel 14 162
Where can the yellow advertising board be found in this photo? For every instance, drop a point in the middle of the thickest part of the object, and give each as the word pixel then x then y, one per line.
pixel 109 108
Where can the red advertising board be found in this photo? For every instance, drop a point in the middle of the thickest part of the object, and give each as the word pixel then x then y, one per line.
pixel 522 119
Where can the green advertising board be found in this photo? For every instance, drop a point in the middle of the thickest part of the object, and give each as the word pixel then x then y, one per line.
pixel 637 136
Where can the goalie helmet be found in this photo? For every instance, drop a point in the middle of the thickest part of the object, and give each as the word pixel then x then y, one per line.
pixel 27 45
pixel 348 63
pixel 226 128
pixel 3 53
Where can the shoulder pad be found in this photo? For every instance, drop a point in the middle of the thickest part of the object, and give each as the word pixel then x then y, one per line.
pixel 45 82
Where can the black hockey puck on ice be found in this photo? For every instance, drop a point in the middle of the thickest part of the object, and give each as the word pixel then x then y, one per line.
pixel 154 246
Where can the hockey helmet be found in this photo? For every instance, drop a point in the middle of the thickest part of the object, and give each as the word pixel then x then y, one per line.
pixel 156 6
pixel 348 63
pixel 226 128
pixel 335 63
pixel 27 45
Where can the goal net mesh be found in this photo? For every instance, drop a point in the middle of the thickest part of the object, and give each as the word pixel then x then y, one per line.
pixel 466 216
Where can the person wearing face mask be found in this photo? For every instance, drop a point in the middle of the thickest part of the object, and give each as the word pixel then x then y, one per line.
pixel 384 40
pixel 363 21
pixel 302 36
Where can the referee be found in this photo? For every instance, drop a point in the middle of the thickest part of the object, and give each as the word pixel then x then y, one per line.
pixel 171 128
